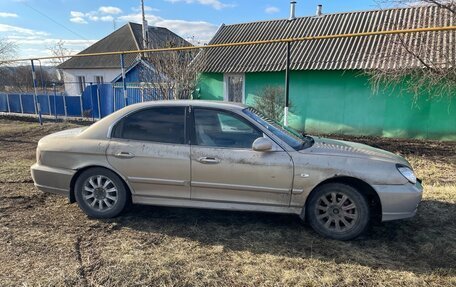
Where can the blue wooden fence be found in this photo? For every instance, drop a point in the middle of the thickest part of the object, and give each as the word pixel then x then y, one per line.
pixel 97 101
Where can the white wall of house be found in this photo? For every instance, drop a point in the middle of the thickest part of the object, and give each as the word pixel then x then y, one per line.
pixel 71 78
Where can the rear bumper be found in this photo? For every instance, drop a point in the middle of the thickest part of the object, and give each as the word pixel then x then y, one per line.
pixel 53 180
pixel 399 201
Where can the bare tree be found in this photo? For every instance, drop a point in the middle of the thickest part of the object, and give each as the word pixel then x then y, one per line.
pixel 173 73
pixel 61 53
pixel 16 79
pixel 422 63
pixel 7 51
pixel 19 78
pixel 271 102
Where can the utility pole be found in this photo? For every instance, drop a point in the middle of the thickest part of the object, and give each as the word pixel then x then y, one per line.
pixel 287 66
pixel 144 26
pixel 287 86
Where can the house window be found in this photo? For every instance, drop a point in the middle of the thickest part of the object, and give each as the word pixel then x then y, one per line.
pixel 99 80
pixel 234 87
pixel 81 84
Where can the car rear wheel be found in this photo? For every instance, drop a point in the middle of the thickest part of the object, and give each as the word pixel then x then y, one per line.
pixel 338 211
pixel 100 193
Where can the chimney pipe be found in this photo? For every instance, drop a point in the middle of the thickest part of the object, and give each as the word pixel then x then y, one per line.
pixel 292 10
pixel 319 10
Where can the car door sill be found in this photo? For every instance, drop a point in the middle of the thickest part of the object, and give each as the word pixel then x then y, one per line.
pixel 158 181
pixel 212 204
pixel 239 187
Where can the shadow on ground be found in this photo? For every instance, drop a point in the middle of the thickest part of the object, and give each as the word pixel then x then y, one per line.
pixel 418 245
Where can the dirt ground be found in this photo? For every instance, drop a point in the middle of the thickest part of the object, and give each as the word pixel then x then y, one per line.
pixel 47 242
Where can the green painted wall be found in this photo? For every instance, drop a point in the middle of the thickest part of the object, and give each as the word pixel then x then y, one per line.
pixel 343 102
pixel 210 86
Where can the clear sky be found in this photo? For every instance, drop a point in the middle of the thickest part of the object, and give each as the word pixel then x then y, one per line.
pixel 36 25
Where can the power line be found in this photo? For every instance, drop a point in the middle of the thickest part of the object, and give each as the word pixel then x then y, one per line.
pixel 54 21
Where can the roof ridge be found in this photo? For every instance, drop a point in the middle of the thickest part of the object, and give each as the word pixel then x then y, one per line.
pixel 149 26
pixel 335 13
pixel 133 35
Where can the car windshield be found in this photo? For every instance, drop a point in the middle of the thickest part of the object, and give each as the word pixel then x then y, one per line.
pixel 292 137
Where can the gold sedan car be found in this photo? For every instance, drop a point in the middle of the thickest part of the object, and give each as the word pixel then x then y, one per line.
pixel 225 156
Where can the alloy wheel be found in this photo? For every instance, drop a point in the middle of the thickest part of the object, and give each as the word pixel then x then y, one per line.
pixel 100 193
pixel 336 212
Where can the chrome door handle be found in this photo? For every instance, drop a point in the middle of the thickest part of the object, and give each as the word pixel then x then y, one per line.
pixel 209 160
pixel 124 154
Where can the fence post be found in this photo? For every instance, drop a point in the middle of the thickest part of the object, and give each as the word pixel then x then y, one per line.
pixel 41 77
pixel 20 102
pixel 55 101
pixel 142 93
pixel 98 101
pixel 114 98
pixel 122 66
pixel 37 104
pixel 8 103
pixel 91 102
pixel 82 108
pixel 49 103
pixel 65 105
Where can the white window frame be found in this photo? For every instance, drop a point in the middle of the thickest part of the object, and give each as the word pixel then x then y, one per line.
pixel 81 84
pixel 96 80
pixel 225 85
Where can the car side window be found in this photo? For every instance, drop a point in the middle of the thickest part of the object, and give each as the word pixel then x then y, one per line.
pixel 160 124
pixel 222 129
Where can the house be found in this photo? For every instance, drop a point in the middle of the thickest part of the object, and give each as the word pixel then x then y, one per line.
pixel 329 90
pixel 78 72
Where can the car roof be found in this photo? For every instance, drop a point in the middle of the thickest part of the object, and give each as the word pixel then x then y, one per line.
pixel 101 128
pixel 193 103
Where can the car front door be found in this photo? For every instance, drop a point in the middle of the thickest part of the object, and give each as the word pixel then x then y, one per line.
pixel 150 149
pixel 226 169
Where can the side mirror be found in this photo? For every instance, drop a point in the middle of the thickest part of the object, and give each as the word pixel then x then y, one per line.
pixel 262 144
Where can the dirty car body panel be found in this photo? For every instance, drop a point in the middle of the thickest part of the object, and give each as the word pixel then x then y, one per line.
pixel 207 161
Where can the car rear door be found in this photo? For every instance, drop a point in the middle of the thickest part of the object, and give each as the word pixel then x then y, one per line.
pixel 150 149
pixel 226 169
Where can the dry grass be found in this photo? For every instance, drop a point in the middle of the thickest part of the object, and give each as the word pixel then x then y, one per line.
pixel 47 242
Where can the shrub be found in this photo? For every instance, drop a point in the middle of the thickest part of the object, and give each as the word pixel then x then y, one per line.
pixel 271 102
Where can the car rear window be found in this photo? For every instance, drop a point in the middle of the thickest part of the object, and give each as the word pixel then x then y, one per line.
pixel 160 124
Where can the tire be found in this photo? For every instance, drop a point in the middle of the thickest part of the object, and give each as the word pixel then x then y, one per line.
pixel 100 193
pixel 332 218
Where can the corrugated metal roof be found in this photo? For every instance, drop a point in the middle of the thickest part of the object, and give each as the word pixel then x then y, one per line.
pixel 127 37
pixel 335 54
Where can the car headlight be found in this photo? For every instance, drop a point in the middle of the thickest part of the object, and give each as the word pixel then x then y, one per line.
pixel 407 173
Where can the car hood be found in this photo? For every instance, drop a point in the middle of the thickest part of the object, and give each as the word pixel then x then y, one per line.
pixel 326 146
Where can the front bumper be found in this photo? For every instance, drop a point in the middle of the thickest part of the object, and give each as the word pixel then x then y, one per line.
pixel 53 180
pixel 399 201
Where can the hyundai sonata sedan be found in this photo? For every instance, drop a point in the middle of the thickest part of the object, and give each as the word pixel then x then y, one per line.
pixel 224 156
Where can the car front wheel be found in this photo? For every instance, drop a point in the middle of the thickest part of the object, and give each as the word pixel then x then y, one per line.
pixel 338 211
pixel 100 193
